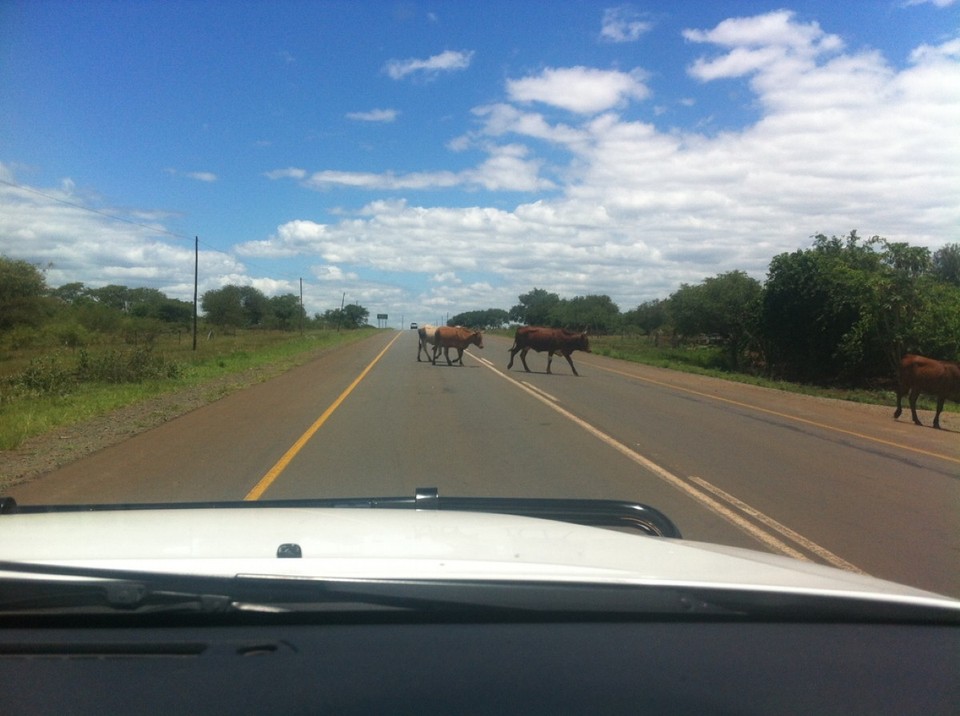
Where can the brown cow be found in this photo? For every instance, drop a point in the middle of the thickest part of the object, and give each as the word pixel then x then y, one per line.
pixel 552 340
pixel 926 375
pixel 455 337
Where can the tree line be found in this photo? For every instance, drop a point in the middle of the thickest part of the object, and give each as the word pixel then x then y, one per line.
pixel 33 313
pixel 842 311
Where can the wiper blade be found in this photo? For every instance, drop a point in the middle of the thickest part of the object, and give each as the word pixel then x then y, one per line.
pixel 119 591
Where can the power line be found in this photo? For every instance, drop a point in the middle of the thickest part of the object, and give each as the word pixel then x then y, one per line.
pixel 91 210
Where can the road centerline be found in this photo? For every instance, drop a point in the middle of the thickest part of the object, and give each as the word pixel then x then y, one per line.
pixel 274 472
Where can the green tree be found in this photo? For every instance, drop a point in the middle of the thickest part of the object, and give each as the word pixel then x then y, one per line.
pixel 946 264
pixel 112 296
pixel 223 306
pixel 286 311
pixel 594 314
pixel 648 316
pixel 727 305
pixel 535 307
pixel 22 290
pixel 480 320
pixel 352 316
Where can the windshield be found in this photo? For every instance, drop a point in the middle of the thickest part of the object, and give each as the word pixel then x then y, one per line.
pixel 690 256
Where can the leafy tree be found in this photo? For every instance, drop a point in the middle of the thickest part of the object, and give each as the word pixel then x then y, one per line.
pixel 111 296
pixel 223 306
pixel 595 314
pixel 286 310
pixel 22 290
pixel 535 307
pixel 172 310
pixel 481 320
pixel 648 316
pixel 946 264
pixel 236 306
pixel 726 305
pixel 352 316
pixel 71 293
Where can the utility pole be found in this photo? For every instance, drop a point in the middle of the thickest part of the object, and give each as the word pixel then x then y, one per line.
pixel 340 315
pixel 196 268
pixel 301 307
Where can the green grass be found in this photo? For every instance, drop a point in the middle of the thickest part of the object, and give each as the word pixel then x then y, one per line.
pixel 27 412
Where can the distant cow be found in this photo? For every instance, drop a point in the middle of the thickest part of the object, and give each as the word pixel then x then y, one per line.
pixel 428 341
pixel 926 375
pixel 552 340
pixel 449 337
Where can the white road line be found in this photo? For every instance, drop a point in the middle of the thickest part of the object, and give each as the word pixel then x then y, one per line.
pixel 765 537
pixel 541 392
pixel 822 552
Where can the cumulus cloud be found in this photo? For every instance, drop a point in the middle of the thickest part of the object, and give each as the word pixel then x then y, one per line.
pixel 844 141
pixel 506 169
pixel 72 241
pixel 623 24
pixel 583 90
pixel 615 203
pixel 448 61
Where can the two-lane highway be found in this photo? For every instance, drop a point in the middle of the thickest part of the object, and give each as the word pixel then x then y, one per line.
pixel 820 480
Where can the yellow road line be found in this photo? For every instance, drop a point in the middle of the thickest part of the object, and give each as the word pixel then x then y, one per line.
pixel 274 472
pixel 787 416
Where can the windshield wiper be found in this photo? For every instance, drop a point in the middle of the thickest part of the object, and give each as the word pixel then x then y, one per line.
pixel 118 591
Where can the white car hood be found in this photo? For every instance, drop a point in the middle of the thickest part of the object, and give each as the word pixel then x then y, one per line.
pixel 343 543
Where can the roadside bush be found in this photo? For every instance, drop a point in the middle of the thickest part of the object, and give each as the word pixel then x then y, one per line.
pixel 130 366
pixel 46 375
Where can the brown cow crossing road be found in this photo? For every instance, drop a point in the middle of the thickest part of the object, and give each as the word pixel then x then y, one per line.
pixel 729 463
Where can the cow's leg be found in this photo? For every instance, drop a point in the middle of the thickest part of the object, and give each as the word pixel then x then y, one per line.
pixel 914 394
pixel 460 355
pixel 936 418
pixel 567 356
pixel 899 411
pixel 523 359
pixel 549 360
pixel 446 354
pixel 435 353
pixel 513 352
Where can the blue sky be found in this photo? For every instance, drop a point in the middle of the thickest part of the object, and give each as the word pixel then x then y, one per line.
pixel 428 158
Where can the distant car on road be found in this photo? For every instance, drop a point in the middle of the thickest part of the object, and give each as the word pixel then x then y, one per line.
pixel 413 326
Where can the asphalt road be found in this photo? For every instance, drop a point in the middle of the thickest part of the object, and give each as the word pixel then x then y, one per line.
pixel 827 481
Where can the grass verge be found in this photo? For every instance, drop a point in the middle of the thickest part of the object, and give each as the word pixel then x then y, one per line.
pixel 60 393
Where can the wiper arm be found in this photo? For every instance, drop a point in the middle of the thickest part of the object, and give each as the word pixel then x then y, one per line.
pixel 117 591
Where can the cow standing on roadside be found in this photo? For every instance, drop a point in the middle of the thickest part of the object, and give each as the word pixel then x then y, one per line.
pixel 919 374
pixel 456 337
pixel 552 340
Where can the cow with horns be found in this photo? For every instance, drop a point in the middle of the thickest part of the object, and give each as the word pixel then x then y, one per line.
pixel 551 340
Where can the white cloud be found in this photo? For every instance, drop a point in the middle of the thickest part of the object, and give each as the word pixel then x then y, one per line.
pixel 583 90
pixel 623 24
pixel 374 115
pixel 506 169
pixel 447 61
pixel 208 177
pixel 844 141
pixel 288 173
pixel 617 205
